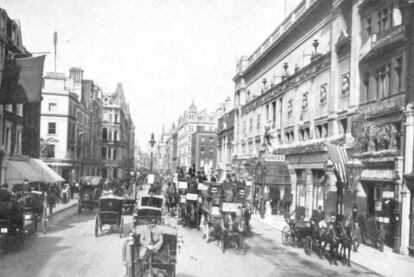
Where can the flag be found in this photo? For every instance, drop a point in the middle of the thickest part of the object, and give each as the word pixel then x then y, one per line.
pixel 339 158
pixel 22 80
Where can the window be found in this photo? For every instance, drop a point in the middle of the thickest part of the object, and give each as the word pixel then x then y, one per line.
pixel 251 125
pixel 18 144
pixel 211 149
pixel 110 117
pixel 345 84
pixel 290 107
pixel 244 129
pixel 115 136
pixel 104 152
pixel 73 132
pixel 274 111
pixel 114 154
pixel 267 112
pixel 116 118
pixel 202 149
pixel 304 134
pixel 105 134
pixel 52 107
pixel 383 80
pixel 368 26
pixel 203 139
pixel 366 85
pixel 52 128
pixel 19 109
pixel 105 116
pixel 344 126
pixel 384 18
pixel 258 122
pixel 210 139
pixel 7 143
pixel 398 71
pixel 9 107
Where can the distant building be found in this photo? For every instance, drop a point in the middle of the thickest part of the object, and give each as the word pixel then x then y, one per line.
pixel 118 136
pixel 188 123
pixel 225 140
pixel 204 150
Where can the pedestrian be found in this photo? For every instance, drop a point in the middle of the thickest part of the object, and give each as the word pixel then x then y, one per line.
pixel 5 194
pixel 356 237
pixel 247 217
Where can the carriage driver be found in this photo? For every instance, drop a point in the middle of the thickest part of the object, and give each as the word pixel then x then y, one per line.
pixel 151 241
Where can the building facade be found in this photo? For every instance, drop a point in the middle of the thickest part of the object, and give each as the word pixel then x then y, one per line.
pixel 225 140
pixel 204 151
pixel 327 93
pixel 71 116
pixel 189 123
pixel 19 123
pixel 118 136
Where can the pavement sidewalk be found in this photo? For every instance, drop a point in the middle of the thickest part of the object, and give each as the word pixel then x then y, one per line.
pixel 63 206
pixel 385 263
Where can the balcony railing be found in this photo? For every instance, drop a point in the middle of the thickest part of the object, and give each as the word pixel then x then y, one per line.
pixel 382 39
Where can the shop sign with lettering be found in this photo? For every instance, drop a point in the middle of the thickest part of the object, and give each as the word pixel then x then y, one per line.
pixel 387 174
pixel 274 158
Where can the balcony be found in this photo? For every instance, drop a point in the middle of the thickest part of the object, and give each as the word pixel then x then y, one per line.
pixel 382 40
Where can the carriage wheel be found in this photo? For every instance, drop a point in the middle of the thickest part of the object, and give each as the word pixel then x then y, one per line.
pixel 121 227
pixel 308 245
pixel 97 225
pixel 286 235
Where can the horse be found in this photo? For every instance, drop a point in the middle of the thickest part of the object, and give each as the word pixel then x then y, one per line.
pixel 346 243
pixel 329 236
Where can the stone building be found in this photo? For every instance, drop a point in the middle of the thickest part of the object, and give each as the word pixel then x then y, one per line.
pixel 189 123
pixel 118 136
pixel 19 120
pixel 225 140
pixel 204 151
pixel 71 116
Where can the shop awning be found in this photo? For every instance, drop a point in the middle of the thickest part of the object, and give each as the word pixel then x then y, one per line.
pixel 34 170
pixel 48 174
pixel 19 170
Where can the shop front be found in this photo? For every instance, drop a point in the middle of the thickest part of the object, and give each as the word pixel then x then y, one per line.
pixel 379 217
pixel 272 190
pixel 410 185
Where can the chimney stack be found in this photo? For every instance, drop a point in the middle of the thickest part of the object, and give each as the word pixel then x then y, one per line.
pixel 76 73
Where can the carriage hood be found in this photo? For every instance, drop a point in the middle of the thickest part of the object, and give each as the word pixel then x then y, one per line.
pixel 153 201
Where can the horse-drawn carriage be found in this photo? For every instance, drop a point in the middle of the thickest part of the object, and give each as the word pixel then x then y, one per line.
pixel 11 223
pixel 159 262
pixel 89 192
pixel 110 213
pixel 189 207
pixel 314 237
pixel 211 218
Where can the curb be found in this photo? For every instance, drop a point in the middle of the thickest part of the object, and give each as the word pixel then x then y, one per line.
pixel 62 214
pixel 353 262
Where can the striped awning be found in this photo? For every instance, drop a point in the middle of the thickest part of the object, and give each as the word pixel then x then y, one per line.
pixel 339 157
pixel 19 170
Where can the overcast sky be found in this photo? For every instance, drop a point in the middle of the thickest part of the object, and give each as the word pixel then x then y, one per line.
pixel 166 53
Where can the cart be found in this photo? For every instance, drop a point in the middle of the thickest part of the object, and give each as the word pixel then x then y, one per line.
pixel 89 192
pixel 110 213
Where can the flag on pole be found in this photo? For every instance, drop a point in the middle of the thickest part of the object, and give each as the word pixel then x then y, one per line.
pixel 22 80
pixel 339 158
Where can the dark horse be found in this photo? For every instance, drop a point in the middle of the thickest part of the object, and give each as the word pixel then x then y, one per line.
pixel 329 236
pixel 346 243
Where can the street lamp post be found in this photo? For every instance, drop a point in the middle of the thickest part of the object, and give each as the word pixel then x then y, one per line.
pixel 152 143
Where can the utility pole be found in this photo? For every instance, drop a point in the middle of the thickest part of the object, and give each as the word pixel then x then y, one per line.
pixel 152 143
pixel 55 39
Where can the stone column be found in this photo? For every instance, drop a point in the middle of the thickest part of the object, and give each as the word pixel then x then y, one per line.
pixel 309 193
pixel 293 178
pixel 405 194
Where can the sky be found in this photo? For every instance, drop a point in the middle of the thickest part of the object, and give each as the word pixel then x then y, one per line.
pixel 166 53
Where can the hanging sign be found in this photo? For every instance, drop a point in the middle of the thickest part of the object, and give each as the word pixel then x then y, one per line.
pixel 150 179
pixel 201 186
pixel 192 197
pixel 182 185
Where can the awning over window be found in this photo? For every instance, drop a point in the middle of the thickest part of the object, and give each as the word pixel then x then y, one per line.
pixel 33 170
pixel 49 175
pixel 18 170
